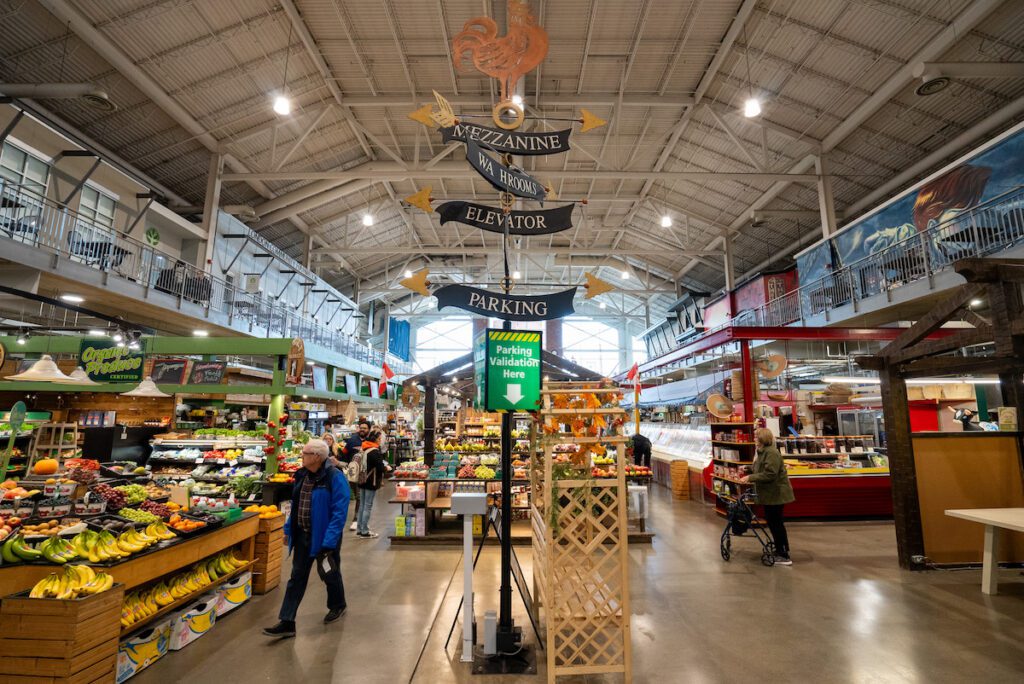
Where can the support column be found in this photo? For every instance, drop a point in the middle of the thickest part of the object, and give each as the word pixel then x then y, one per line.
pixel 307 251
pixel 274 414
pixel 211 207
pixel 429 423
pixel 553 336
pixel 729 271
pixel 906 508
pixel 747 374
pixel 826 202
pixel 625 347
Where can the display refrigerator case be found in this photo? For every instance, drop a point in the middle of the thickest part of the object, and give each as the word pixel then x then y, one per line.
pixel 862 422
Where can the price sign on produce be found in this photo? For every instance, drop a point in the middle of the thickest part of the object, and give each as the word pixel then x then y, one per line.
pixel 512 380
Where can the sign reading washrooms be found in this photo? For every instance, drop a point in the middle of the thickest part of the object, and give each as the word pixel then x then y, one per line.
pixel 513 370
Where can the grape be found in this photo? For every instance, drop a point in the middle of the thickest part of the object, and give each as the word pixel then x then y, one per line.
pixel 157 509
pixel 135 515
pixel 114 497
pixel 133 493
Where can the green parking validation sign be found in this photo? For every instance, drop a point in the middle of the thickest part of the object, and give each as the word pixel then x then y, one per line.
pixel 513 370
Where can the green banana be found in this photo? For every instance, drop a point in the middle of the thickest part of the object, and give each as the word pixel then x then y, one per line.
pixel 25 551
pixel 7 550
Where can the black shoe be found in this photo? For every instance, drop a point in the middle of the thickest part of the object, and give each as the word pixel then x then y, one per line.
pixel 783 560
pixel 281 629
pixel 334 615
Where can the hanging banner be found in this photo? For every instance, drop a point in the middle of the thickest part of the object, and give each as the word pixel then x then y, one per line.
pixel 502 177
pixel 207 373
pixel 103 361
pixel 507 307
pixel 550 142
pixel 541 222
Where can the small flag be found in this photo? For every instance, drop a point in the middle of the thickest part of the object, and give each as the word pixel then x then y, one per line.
pixel 634 374
pixel 386 373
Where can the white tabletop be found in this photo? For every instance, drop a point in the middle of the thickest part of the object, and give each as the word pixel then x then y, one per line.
pixel 1009 518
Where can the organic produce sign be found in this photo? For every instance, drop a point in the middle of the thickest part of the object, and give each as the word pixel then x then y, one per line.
pixel 512 379
pixel 540 222
pixel 104 361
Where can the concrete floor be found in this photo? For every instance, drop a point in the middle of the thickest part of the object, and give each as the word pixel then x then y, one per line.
pixel 843 613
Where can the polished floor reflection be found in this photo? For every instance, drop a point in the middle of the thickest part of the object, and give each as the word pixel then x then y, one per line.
pixel 844 612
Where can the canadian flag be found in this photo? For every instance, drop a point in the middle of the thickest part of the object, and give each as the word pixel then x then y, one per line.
pixel 634 374
pixel 386 373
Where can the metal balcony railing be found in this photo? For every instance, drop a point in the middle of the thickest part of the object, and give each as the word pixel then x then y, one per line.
pixel 981 231
pixel 31 219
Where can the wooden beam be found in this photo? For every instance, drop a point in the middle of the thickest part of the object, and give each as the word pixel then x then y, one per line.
pixel 944 365
pixel 934 319
pixel 1005 304
pixel 986 270
pixel 976 319
pixel 965 338
pixel 875 363
pixel 906 507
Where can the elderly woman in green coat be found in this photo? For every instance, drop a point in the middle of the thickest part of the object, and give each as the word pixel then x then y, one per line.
pixel 771 484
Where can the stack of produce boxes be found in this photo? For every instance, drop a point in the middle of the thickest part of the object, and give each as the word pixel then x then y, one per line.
pixel 60 639
pixel 269 552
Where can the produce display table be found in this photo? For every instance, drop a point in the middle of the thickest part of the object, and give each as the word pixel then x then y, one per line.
pixel 993 519
pixel 148 566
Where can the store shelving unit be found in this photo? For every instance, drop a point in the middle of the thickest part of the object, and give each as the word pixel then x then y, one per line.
pixel 580 577
pixel 732 447
pixel 165 455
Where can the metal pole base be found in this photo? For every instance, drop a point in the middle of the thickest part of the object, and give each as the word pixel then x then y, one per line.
pixel 523 662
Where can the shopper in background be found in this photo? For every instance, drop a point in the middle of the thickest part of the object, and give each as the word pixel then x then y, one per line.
pixel 771 484
pixel 354 442
pixel 319 507
pixel 332 449
pixel 641 450
pixel 347 454
pixel 374 470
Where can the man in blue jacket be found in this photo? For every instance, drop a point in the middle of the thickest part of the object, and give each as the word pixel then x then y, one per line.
pixel 320 499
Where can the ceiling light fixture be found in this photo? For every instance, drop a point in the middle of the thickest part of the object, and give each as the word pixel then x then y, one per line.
pixel 118 336
pixel 200 333
pixel 517 100
pixel 73 298
pixel 282 105
pixel 666 221
pixel 22 337
pixel 752 107
pixel 97 333
pixel 603 305
pixel 625 275
pixel 408 273
pixel 146 388
pixel 854 380
pixel 43 370
pixel 367 220
pixel 976 302
pixel 80 377
pixel 516 275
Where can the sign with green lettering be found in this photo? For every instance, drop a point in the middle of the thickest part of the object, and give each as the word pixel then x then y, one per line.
pixel 513 370
pixel 104 361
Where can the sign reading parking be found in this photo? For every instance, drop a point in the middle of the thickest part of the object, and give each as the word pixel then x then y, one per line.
pixel 513 370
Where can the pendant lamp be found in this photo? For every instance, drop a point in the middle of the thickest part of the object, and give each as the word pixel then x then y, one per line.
pixel 146 388
pixel 43 370
pixel 79 377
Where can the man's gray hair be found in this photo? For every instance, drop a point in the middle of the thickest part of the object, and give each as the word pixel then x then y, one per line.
pixel 319 447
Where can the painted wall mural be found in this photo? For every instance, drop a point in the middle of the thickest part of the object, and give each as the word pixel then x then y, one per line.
pixel 975 179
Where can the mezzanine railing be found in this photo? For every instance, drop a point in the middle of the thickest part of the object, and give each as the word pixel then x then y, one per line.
pixel 31 219
pixel 981 231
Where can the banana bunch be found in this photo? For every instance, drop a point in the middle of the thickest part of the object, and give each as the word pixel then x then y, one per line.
pixel 139 605
pixel 16 549
pixel 98 547
pixel 57 550
pixel 132 541
pixel 159 530
pixel 76 581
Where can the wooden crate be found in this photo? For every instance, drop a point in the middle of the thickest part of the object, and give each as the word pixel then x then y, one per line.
pixel 580 538
pixel 270 524
pixel 269 552
pixel 50 640
pixel 680 475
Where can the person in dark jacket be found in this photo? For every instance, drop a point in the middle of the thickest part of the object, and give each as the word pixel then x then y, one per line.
pixel 375 469
pixel 641 450
pixel 320 498
pixel 354 442
pixel 771 484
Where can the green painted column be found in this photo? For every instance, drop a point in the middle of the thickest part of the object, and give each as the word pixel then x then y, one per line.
pixel 982 399
pixel 274 415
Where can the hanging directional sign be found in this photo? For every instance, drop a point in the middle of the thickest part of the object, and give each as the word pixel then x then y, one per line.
pixel 541 222
pixel 549 142
pixel 507 307
pixel 512 380
pixel 502 177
